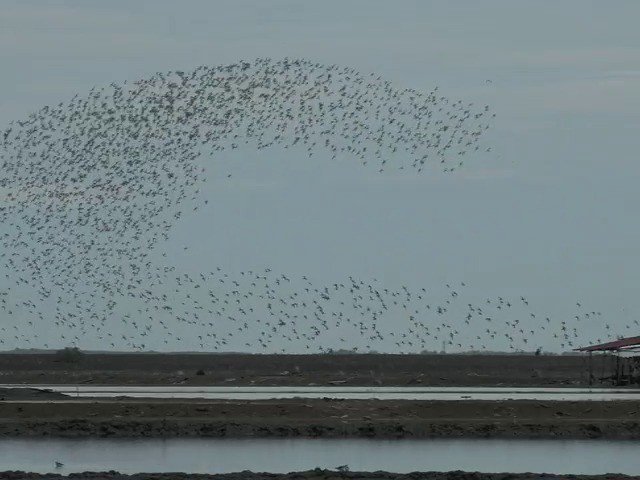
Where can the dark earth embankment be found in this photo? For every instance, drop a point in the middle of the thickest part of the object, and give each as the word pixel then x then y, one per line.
pixel 311 475
pixel 323 419
pixel 243 369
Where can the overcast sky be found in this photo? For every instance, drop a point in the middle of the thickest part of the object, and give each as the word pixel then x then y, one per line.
pixel 550 213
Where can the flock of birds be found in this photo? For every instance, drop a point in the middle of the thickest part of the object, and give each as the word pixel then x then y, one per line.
pixel 93 186
pixel 265 311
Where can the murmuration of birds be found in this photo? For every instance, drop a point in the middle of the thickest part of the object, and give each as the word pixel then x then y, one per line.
pixel 93 185
pixel 268 311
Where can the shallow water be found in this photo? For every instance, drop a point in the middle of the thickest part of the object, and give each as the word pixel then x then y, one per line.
pixel 381 393
pixel 284 455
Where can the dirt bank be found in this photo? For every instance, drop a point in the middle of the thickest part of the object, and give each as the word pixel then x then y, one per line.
pixel 240 369
pixel 323 418
pixel 316 474
pixel 13 394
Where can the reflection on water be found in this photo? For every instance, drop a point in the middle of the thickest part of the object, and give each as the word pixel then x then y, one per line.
pixel 352 393
pixel 285 455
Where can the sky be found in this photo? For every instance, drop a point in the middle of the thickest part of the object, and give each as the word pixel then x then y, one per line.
pixel 550 213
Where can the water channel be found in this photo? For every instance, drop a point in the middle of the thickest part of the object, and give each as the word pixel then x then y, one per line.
pixel 352 393
pixel 284 455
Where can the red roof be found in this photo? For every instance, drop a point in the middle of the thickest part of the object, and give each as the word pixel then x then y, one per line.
pixel 615 345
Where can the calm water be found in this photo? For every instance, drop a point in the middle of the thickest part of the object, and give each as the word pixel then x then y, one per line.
pixel 382 393
pixel 223 456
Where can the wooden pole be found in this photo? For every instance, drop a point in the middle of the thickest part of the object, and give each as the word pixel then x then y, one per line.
pixel 590 368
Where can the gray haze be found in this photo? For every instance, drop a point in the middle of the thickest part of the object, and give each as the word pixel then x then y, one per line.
pixel 549 213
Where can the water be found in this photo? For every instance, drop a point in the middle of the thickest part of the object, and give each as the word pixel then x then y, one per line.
pixel 351 393
pixel 284 455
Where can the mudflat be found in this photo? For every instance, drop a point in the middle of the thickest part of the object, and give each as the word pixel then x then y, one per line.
pixel 322 419
pixel 24 412
pixel 244 369
pixel 316 474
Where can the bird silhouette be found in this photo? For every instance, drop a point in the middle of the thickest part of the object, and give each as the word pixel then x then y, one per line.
pixel 95 186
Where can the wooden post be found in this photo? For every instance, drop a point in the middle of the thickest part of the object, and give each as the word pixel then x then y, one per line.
pixel 590 368
pixel 617 368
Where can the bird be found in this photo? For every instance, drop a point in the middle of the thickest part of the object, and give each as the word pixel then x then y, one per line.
pixel 99 184
pixel 96 182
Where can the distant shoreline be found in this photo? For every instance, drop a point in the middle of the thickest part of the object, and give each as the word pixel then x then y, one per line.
pixel 303 370
pixel 316 474
pixel 321 418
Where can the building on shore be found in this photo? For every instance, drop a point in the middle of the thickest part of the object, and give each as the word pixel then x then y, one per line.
pixel 625 364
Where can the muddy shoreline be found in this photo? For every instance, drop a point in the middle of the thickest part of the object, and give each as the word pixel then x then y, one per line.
pixel 309 418
pixel 317 474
